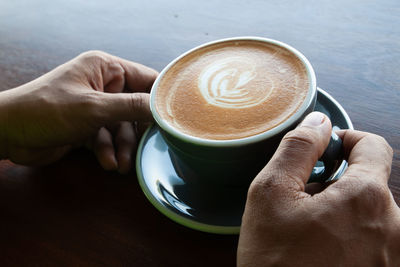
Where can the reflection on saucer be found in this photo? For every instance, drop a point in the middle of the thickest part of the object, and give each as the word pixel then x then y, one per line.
pixel 173 200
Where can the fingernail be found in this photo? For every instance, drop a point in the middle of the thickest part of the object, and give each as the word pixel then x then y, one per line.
pixel 313 119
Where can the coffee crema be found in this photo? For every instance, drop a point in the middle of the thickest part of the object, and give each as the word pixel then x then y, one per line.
pixel 232 90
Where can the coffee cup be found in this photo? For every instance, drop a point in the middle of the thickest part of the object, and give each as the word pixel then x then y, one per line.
pixel 224 106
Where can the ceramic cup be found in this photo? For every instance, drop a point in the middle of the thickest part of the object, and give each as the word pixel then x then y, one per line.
pixel 237 162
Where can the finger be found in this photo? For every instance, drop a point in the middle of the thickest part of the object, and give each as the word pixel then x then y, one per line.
pixel 366 153
pixel 138 77
pixel 120 74
pixel 126 144
pixel 114 78
pixel 103 71
pixel 290 167
pixel 104 150
pixel 113 74
pixel 364 185
pixel 123 107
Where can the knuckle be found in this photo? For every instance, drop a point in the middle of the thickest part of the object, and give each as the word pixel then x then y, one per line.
pixel 138 102
pixel 259 187
pixel 385 145
pixel 93 56
pixel 267 184
pixel 372 197
pixel 117 71
pixel 135 102
pixel 385 150
pixel 381 142
pixel 260 192
pixel 116 68
pixel 376 192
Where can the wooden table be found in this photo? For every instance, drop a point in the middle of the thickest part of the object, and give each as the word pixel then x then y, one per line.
pixel 74 213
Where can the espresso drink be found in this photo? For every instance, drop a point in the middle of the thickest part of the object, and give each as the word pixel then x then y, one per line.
pixel 232 90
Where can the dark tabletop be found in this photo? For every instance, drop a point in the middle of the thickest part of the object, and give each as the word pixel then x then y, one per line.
pixel 73 212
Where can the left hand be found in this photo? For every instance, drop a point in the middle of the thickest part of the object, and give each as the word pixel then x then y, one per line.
pixel 95 99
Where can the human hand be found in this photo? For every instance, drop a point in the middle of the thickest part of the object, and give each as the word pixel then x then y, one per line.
pixel 352 222
pixel 95 99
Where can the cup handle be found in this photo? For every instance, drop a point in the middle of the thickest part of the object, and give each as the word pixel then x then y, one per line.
pixel 331 159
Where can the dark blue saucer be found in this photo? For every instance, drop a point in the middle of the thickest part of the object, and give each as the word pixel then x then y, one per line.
pixel 204 207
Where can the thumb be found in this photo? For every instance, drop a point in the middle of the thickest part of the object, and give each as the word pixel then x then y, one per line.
pixel 291 165
pixel 125 107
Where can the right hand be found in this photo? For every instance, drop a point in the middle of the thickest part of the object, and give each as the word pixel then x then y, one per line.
pixel 95 99
pixel 352 222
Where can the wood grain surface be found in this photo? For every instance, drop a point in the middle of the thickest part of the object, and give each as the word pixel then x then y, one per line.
pixel 73 213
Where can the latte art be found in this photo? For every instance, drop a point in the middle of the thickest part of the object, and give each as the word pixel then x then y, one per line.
pixel 225 83
pixel 231 90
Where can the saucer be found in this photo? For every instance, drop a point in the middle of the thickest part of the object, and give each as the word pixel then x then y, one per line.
pixel 202 207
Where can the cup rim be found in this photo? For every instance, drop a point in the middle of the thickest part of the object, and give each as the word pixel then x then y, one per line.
pixel 246 140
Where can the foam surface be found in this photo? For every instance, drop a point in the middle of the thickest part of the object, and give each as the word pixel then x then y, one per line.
pixel 232 90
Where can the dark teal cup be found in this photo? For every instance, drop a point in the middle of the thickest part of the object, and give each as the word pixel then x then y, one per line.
pixel 236 162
